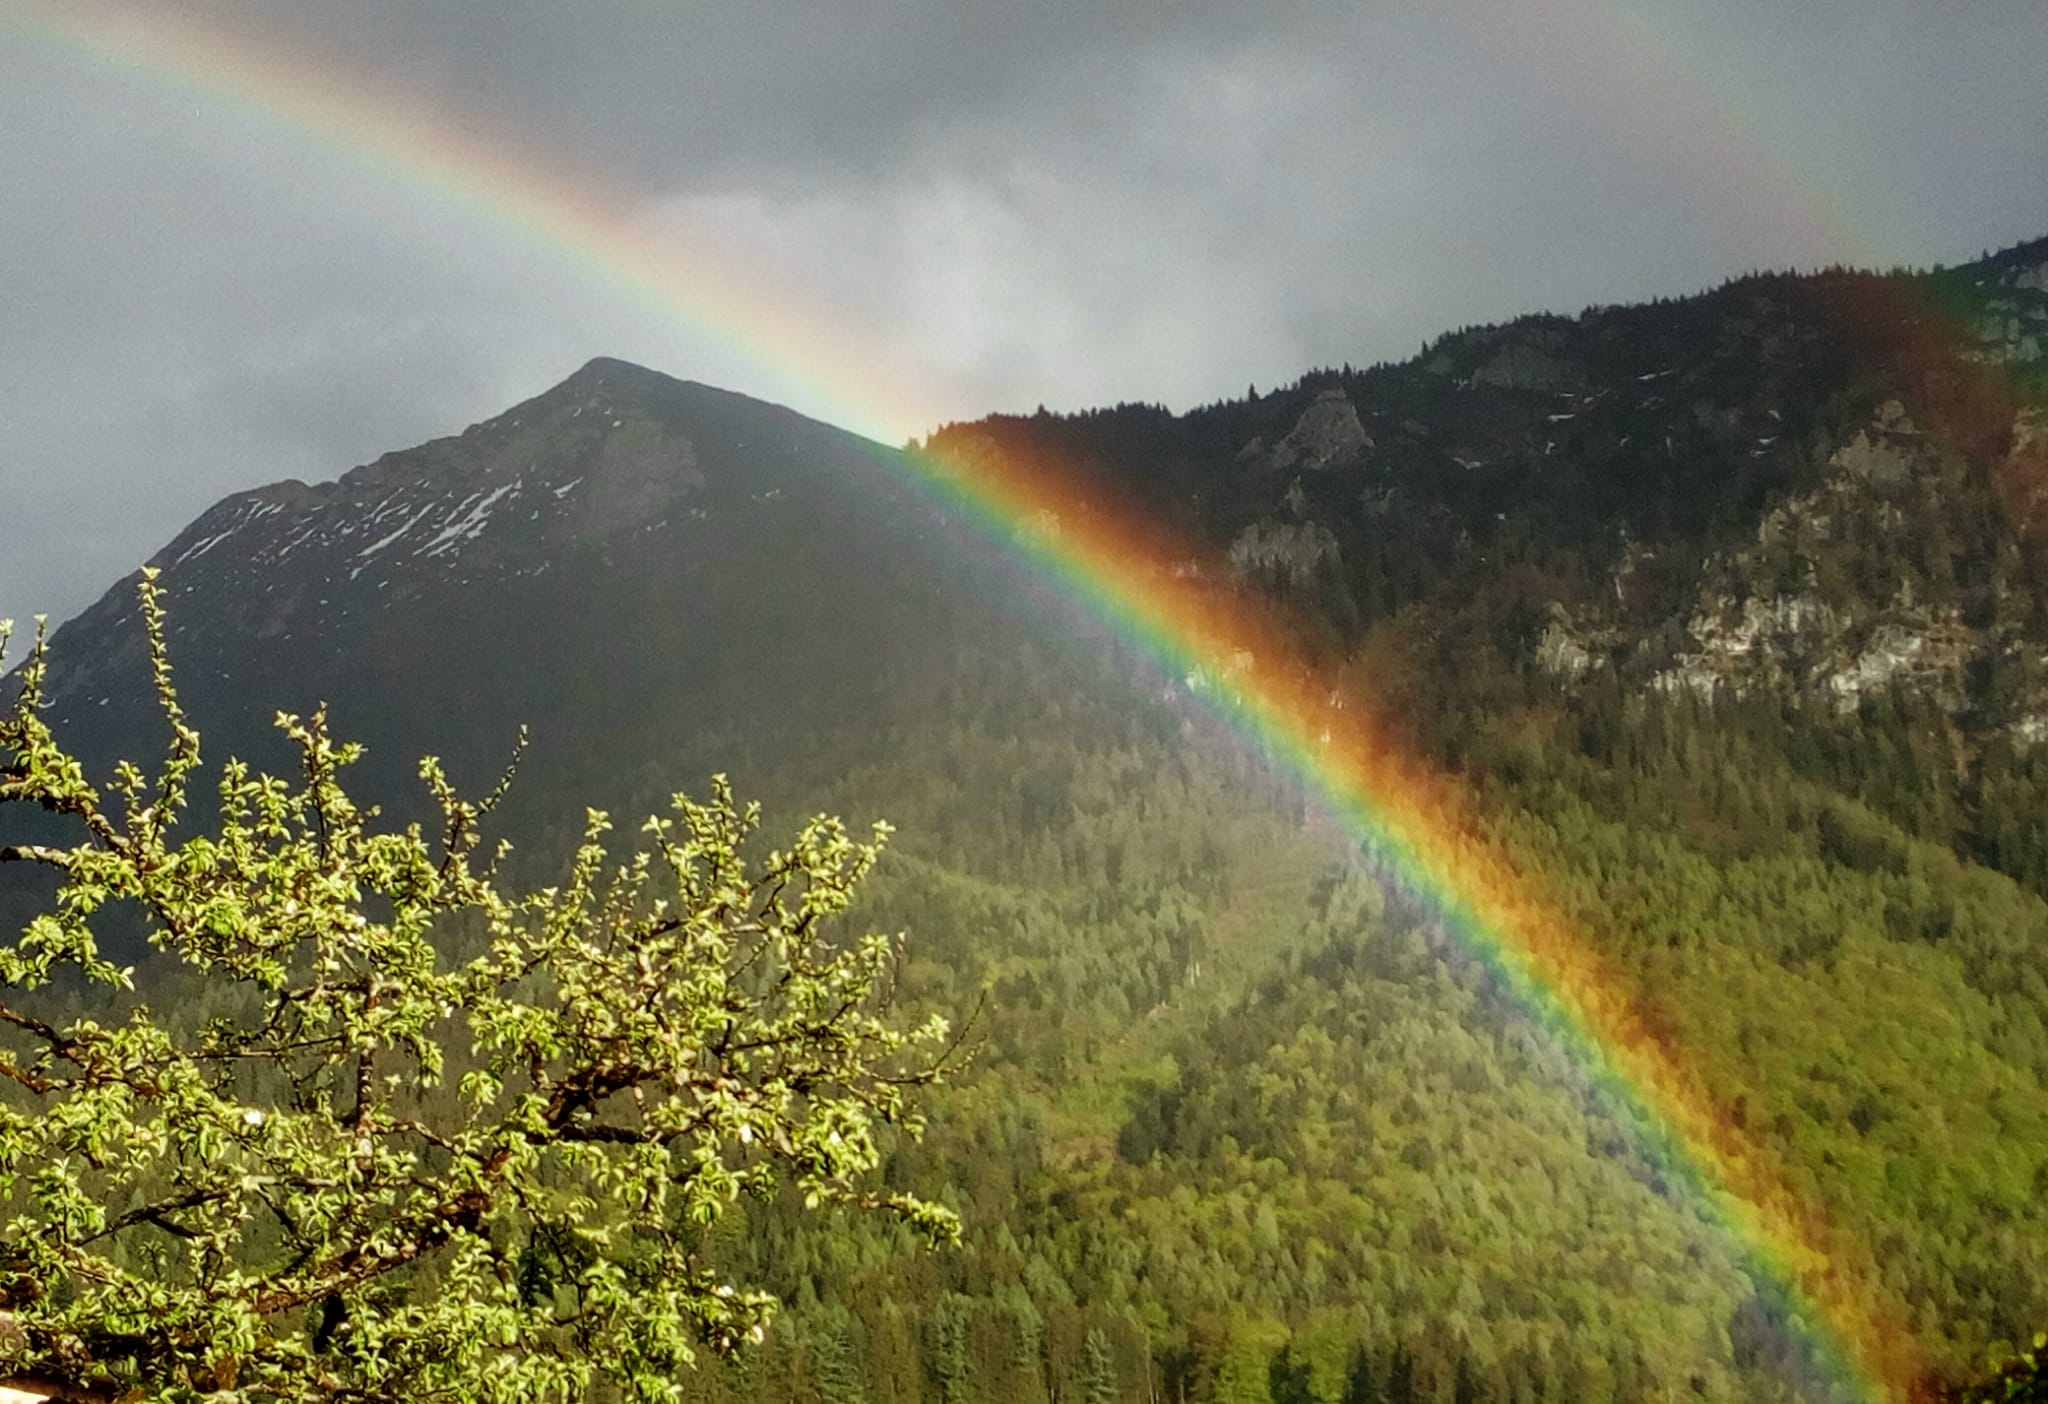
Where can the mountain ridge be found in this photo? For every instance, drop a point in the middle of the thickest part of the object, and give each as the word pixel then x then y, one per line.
pixel 1635 448
pixel 1703 495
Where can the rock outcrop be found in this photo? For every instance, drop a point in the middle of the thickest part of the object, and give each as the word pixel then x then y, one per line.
pixel 1329 434
pixel 1288 552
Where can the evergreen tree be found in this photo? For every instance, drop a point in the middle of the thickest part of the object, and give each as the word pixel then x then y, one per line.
pixel 1097 1384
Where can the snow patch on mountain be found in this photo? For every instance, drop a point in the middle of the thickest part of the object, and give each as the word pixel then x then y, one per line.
pixel 468 525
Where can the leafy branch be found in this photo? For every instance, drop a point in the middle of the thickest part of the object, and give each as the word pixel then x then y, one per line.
pixel 457 1142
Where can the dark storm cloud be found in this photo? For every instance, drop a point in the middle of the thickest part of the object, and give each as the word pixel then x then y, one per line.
pixel 1009 203
pixel 174 331
pixel 657 92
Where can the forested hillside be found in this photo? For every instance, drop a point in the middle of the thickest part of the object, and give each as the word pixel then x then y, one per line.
pixel 1729 616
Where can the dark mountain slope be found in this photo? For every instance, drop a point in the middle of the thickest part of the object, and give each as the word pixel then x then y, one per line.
pixel 624 557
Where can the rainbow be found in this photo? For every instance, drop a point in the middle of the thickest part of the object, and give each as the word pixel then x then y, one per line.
pixel 1409 819
pixel 1417 828
pixel 1637 64
pixel 489 182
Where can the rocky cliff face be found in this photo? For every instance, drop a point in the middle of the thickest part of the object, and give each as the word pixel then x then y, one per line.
pixel 2011 328
pixel 1845 593
pixel 1885 575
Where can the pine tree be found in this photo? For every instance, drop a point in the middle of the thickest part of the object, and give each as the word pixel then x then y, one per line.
pixel 1097 1384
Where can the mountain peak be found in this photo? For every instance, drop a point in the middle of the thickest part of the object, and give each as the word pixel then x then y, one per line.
pixel 606 382
pixel 612 464
pixel 609 372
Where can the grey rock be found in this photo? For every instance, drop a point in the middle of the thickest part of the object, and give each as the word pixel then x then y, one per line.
pixel 1328 434
pixel 1287 551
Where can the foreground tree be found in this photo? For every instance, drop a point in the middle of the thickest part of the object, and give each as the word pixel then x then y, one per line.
pixel 452 1142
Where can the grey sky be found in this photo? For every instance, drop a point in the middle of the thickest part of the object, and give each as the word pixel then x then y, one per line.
pixel 1003 204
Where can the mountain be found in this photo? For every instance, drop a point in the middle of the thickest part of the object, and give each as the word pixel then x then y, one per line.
pixel 1827 494
pixel 622 537
pixel 1747 452
pixel 1730 614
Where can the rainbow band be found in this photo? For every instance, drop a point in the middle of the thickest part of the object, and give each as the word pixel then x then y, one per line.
pixel 493 185
pixel 1407 818
pixel 1637 62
